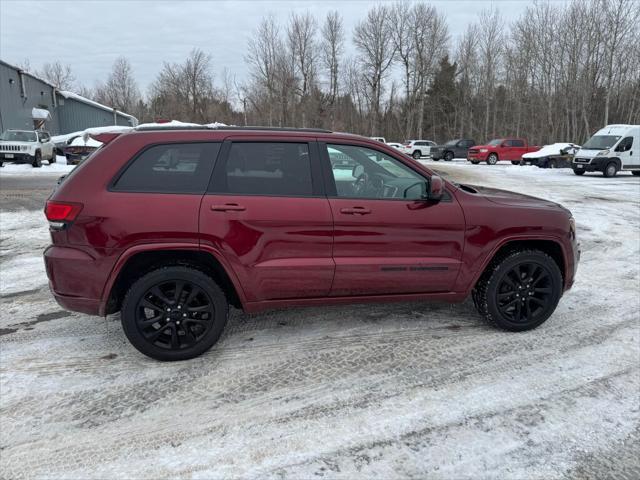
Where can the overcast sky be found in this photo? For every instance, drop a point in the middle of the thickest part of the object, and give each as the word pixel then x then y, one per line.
pixel 90 34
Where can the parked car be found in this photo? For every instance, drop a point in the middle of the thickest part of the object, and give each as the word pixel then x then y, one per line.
pixel 379 139
pixel 26 146
pixel 556 155
pixel 499 149
pixel 457 148
pixel 610 150
pixel 265 219
pixel 397 146
pixel 417 148
pixel 78 149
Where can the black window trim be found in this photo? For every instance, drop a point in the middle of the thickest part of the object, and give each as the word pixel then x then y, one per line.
pixel 330 183
pixel 111 187
pixel 317 185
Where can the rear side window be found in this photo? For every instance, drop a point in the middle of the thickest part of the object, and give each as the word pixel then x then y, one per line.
pixel 265 168
pixel 516 143
pixel 170 168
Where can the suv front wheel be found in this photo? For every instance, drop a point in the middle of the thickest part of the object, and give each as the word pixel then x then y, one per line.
pixel 174 313
pixel 519 290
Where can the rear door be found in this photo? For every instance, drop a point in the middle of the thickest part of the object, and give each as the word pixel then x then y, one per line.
pixel 517 149
pixel 628 150
pixel 387 239
pixel 266 213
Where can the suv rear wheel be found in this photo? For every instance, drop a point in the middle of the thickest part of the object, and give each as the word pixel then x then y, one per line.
pixel 417 154
pixel 519 290
pixel 174 313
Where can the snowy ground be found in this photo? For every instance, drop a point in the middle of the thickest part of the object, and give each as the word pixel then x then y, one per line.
pixel 386 391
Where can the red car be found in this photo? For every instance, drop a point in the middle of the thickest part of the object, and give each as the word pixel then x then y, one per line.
pixel 169 226
pixel 510 149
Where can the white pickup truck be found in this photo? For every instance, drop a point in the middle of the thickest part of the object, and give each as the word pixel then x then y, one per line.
pixel 26 146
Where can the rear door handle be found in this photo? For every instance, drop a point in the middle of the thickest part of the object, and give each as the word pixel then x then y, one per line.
pixel 233 207
pixel 355 211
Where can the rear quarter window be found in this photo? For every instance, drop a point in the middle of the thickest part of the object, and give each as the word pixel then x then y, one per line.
pixel 170 168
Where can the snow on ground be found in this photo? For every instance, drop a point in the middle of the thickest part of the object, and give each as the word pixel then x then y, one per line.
pixel 60 167
pixel 387 391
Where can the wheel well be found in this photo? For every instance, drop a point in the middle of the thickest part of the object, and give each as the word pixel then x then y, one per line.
pixel 551 248
pixel 144 262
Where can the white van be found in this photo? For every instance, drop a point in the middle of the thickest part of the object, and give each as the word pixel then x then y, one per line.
pixel 614 148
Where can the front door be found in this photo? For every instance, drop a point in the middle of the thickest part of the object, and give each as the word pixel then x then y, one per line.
pixel 387 238
pixel 265 212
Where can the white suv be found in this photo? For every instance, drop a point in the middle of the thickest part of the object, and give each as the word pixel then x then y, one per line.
pixel 418 148
pixel 26 146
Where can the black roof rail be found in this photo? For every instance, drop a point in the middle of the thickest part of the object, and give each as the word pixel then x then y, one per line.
pixel 276 129
pixel 252 128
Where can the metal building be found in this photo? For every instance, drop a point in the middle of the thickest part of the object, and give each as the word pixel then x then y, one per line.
pixel 28 102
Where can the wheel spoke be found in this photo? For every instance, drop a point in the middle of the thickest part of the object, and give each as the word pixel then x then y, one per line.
pixel 506 294
pixel 527 309
pixel 192 295
pixel 188 334
pixel 518 313
pixel 178 291
pixel 154 336
pixel 174 338
pixel 150 305
pixel 158 293
pixel 201 308
pixel 542 290
pixel 197 321
pixel 150 321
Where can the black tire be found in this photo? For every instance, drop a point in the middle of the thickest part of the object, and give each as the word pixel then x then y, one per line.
pixel 37 160
pixel 53 158
pixel 515 162
pixel 519 290
pixel 448 156
pixel 1 163
pixel 635 172
pixel 610 170
pixel 475 162
pixel 492 159
pixel 174 335
pixel 417 154
pixel 579 172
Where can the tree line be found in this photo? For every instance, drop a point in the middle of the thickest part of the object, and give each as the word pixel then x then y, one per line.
pixel 557 73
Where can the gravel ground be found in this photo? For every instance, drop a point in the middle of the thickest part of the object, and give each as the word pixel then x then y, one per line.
pixel 387 391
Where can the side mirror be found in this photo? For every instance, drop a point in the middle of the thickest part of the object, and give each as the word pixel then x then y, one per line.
pixel 436 188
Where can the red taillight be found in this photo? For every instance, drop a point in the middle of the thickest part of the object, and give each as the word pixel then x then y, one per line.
pixel 62 212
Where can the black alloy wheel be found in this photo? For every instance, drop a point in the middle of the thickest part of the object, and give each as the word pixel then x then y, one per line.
pixel 519 290
pixel 174 313
pixel 524 292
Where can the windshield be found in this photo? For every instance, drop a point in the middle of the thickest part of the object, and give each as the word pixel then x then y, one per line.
pixel 452 142
pixel 18 136
pixel 600 142
pixel 495 142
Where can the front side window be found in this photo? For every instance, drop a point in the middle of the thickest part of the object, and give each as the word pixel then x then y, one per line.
pixel 170 168
pixel 625 144
pixel 495 142
pixel 265 168
pixel 373 174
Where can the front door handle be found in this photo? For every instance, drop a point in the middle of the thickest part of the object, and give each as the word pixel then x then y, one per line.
pixel 233 207
pixel 355 211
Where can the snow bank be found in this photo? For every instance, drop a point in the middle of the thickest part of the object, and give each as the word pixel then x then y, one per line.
pixel 58 168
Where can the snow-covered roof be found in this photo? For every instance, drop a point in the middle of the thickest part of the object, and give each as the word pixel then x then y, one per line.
pixel 80 98
pixel 553 149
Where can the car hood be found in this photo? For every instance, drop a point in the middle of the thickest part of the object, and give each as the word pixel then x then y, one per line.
pixel 482 146
pixel 506 197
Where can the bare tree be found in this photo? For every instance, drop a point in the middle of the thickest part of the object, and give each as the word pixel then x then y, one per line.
pixel 374 42
pixel 302 44
pixel 58 74
pixel 121 89
pixel 332 49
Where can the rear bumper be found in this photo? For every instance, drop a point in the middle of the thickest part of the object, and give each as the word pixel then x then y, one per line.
pixel 75 279
pixel 90 306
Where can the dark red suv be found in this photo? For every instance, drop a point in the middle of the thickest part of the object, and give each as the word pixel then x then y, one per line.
pixel 170 226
